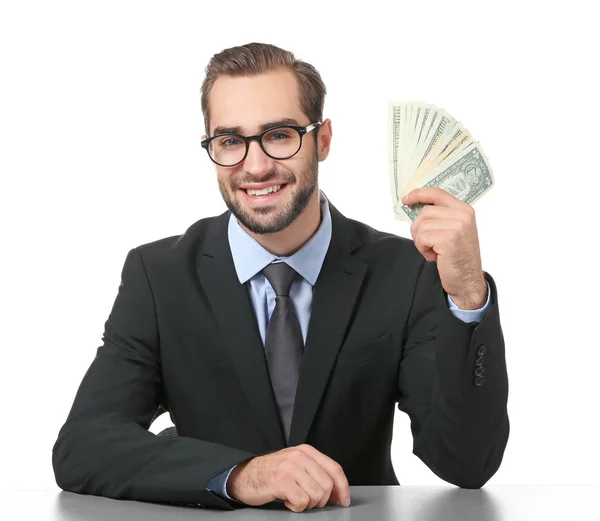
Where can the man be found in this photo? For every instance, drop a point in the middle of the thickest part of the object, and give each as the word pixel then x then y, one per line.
pixel 280 335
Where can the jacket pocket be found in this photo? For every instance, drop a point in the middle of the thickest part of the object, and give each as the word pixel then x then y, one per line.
pixel 357 355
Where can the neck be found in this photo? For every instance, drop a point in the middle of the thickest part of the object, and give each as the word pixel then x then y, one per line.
pixel 289 240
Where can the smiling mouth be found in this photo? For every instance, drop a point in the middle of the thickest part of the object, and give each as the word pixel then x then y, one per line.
pixel 265 192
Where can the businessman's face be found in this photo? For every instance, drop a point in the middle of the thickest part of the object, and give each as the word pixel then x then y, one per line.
pixel 247 106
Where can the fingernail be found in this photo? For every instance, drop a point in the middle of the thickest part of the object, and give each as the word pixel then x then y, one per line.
pixel 346 502
pixel 405 198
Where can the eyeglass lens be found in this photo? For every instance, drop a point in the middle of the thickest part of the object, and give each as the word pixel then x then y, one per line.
pixel 230 149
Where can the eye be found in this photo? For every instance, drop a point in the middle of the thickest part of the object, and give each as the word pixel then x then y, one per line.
pixel 279 135
pixel 230 141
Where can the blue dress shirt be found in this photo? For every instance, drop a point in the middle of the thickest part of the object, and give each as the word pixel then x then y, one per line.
pixel 250 258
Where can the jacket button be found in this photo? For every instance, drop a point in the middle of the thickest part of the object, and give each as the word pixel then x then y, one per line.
pixel 481 350
pixel 479 361
pixel 479 381
pixel 479 370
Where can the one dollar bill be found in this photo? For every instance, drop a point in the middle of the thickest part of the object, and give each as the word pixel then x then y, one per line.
pixel 467 178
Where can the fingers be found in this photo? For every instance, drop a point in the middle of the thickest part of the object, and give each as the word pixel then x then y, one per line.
pixel 341 487
pixel 298 489
pixel 309 479
pixel 436 196
pixel 439 225
pixel 294 495
pixel 301 476
pixel 438 213
pixel 319 489
pixel 431 243
pixel 437 228
pixel 321 477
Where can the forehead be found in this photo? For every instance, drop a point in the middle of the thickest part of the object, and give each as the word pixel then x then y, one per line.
pixel 251 101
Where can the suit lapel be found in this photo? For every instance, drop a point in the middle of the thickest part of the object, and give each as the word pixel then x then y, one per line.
pixel 232 310
pixel 334 298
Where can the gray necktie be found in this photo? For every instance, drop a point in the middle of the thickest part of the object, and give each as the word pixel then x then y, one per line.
pixel 283 342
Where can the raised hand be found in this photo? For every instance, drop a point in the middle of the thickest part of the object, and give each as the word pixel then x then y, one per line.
pixel 445 231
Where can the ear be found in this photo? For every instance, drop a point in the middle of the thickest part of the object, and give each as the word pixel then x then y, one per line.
pixel 324 139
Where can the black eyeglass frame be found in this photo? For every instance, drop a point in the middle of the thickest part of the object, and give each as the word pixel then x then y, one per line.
pixel 258 137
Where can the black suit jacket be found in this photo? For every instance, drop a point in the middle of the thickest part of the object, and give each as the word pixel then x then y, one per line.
pixel 182 336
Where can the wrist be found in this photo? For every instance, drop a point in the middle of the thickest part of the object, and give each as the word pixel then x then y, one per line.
pixel 474 298
pixel 234 478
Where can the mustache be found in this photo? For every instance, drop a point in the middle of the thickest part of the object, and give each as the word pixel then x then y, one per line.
pixel 272 176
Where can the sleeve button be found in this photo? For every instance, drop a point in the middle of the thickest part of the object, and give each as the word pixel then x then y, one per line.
pixel 481 350
pixel 479 370
pixel 479 361
pixel 479 381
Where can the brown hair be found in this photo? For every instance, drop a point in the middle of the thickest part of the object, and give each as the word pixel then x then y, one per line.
pixel 256 58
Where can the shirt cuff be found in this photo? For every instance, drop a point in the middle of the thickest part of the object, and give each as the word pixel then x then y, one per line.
pixel 470 315
pixel 218 483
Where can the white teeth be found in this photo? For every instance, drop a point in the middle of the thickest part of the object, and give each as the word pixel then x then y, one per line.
pixel 265 191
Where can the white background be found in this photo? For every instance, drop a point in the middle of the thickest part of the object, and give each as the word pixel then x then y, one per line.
pixel 100 129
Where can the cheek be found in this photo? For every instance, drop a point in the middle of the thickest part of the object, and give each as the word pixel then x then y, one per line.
pixel 226 177
pixel 300 165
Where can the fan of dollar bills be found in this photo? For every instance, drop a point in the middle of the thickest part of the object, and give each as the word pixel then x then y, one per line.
pixel 429 148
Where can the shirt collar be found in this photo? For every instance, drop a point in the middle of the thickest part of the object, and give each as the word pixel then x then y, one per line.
pixel 249 257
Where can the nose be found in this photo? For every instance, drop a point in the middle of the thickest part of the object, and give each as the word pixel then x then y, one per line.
pixel 257 162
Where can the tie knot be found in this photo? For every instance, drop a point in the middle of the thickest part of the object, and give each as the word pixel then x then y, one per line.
pixel 280 275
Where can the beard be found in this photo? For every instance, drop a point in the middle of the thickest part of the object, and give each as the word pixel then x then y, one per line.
pixel 262 220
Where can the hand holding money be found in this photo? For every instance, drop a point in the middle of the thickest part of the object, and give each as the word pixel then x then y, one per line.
pixel 445 231
pixel 429 148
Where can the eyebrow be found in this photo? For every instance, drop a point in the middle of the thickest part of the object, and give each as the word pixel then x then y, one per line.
pixel 238 130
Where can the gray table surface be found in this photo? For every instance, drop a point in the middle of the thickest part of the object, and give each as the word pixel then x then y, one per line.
pixel 406 503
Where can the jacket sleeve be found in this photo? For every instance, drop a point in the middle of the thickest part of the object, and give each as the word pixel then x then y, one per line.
pixel 104 448
pixel 453 384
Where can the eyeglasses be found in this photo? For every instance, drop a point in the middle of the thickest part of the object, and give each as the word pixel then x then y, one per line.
pixel 280 142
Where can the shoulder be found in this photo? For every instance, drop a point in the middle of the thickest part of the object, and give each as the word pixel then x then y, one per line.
pixel 176 249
